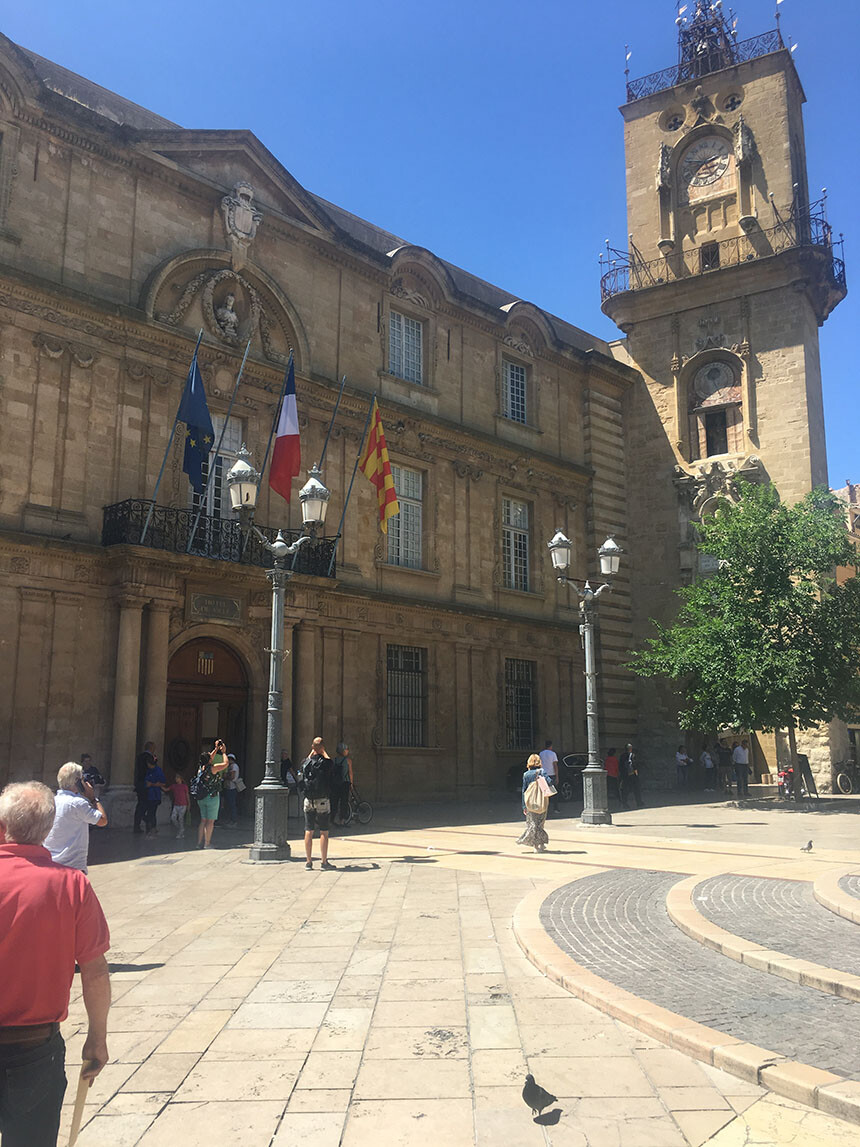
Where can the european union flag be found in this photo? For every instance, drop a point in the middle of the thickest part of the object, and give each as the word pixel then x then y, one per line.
pixel 199 434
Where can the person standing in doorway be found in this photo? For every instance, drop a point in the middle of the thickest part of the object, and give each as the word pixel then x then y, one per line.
pixel 156 784
pixel 549 764
pixel 741 763
pixel 628 771
pixel 140 767
pixel 341 784
pixel 315 784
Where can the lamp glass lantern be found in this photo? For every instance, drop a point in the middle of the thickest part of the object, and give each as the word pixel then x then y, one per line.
pixel 314 499
pixel 560 549
pixel 242 480
pixel 610 557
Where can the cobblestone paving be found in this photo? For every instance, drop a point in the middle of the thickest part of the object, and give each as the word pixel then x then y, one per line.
pixel 851 885
pixel 616 925
pixel 780 914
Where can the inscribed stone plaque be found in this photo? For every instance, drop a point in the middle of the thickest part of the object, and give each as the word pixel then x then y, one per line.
pixel 214 607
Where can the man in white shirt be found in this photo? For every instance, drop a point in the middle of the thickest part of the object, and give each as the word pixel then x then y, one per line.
pixel 76 809
pixel 741 762
pixel 549 764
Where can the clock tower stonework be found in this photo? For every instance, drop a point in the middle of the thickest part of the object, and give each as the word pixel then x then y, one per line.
pixel 729 271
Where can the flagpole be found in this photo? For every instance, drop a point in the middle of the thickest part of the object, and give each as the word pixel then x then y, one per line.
pixel 166 454
pixel 212 465
pixel 331 424
pixel 352 479
pixel 278 406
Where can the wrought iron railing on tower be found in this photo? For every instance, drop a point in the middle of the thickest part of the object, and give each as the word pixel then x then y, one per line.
pixel 627 271
pixel 218 538
pixel 685 70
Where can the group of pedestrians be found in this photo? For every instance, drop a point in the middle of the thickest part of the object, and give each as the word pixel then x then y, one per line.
pixel 721 765
pixel 215 788
pixel 622 776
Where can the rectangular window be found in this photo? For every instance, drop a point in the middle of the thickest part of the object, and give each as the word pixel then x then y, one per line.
pixel 709 256
pixel 520 678
pixel 515 544
pixel 216 500
pixel 405 347
pixel 514 391
pixel 405 528
pixel 716 433
pixel 407 692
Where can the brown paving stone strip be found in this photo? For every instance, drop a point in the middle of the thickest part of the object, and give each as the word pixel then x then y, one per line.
pixel 823 1090
pixel 831 890
pixel 683 912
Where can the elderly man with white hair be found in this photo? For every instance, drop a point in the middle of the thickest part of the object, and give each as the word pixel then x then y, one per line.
pixel 77 808
pixel 50 919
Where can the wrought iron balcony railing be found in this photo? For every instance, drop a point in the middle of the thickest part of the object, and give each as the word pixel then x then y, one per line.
pixel 218 538
pixel 736 53
pixel 627 272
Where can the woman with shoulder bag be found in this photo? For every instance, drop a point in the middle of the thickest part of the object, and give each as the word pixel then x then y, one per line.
pixel 537 789
pixel 206 790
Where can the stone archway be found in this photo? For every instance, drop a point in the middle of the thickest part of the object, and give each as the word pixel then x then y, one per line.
pixel 207 696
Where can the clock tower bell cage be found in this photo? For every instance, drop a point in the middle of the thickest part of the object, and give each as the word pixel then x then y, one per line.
pixel 729 270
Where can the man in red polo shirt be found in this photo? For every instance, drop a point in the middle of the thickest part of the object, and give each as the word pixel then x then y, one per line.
pixel 50 919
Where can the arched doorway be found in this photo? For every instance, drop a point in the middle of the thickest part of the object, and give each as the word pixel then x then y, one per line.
pixel 207 697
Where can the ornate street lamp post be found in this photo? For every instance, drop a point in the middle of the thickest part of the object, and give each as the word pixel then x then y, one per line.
pixel 595 800
pixel 270 796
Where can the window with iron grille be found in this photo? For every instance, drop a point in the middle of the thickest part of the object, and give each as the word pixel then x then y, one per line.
pixel 514 391
pixel 405 347
pixel 515 544
pixel 405 528
pixel 520 680
pixel 407 692
pixel 216 500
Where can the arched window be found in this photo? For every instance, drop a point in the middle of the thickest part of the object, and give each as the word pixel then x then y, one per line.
pixel 716 415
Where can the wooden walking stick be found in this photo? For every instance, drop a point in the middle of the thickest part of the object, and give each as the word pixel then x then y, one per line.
pixel 84 1085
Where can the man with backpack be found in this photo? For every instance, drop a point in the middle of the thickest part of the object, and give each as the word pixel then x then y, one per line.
pixel 315 782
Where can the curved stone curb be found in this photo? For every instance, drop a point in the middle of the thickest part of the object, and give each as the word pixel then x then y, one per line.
pixel 829 895
pixel 810 1085
pixel 684 914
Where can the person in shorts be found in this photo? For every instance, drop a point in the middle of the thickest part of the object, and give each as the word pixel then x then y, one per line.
pixel 315 780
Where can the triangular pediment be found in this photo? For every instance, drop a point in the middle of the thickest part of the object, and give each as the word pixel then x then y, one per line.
pixel 225 158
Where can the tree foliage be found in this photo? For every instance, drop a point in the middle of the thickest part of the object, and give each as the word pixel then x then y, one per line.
pixel 769 640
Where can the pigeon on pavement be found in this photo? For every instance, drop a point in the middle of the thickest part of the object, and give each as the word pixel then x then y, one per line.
pixel 535 1096
pixel 807 847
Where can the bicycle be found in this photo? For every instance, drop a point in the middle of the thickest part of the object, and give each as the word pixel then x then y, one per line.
pixel 358 809
pixel 848 778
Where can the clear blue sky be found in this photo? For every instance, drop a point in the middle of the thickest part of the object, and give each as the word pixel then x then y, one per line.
pixel 487 132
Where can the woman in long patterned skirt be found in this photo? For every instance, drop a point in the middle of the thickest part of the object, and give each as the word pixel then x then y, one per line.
pixel 534 834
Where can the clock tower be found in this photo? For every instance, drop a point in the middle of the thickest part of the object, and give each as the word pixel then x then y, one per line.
pixel 729 271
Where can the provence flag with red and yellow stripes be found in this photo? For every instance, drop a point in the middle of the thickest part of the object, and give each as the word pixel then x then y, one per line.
pixel 374 464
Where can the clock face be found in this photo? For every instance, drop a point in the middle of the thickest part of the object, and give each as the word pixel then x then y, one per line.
pixel 705 162
pixel 713 377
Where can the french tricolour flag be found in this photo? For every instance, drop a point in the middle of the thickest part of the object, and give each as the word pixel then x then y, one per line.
pixel 287 455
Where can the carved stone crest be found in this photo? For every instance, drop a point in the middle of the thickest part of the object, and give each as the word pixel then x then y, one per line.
pixel 711 336
pixel 519 344
pixel 713 481
pixel 744 142
pixel 241 220
pixel 664 169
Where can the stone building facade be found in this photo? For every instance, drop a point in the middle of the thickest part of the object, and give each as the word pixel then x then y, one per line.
pixel 447 650
pixel 442 653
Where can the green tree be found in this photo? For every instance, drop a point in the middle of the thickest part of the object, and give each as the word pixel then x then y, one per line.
pixel 769 641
